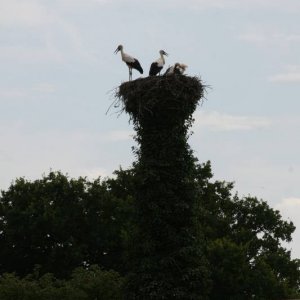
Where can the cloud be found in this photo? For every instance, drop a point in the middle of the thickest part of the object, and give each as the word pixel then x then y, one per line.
pixel 118 135
pixel 289 203
pixel 34 13
pixel 42 88
pixel 51 35
pixel 269 38
pixel 224 122
pixel 290 209
pixel 253 37
pixel 23 13
pixel 94 173
pixel 31 152
pixel 82 3
pixel 12 94
pixel 291 74
pixel 290 6
pixel 30 54
pixel 286 78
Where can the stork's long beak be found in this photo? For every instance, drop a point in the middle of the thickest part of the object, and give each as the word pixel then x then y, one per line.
pixel 166 54
pixel 117 50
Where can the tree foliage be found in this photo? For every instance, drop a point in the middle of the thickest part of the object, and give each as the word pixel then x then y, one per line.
pixel 85 284
pixel 61 223
pixel 243 236
pixel 244 244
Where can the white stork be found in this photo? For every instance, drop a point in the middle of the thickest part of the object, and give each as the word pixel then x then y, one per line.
pixel 130 61
pixel 177 69
pixel 157 66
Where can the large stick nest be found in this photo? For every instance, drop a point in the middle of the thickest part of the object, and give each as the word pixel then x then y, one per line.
pixel 157 96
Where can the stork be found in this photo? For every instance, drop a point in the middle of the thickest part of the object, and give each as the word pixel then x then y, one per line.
pixel 157 66
pixel 180 69
pixel 177 69
pixel 130 61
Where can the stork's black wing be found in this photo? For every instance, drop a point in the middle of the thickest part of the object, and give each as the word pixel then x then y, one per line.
pixel 136 65
pixel 154 69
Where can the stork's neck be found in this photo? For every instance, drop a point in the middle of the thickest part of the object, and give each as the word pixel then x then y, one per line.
pixel 122 53
pixel 162 58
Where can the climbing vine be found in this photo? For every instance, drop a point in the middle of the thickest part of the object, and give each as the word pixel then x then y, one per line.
pixel 166 257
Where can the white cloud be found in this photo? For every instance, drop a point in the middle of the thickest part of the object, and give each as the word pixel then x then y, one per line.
pixel 80 153
pixel 82 3
pixel 291 74
pixel 22 13
pixel 35 13
pixel 28 54
pixel 289 203
pixel 269 38
pixel 290 77
pixel 290 6
pixel 225 122
pixel 11 94
pixel 42 88
pixel 94 173
pixel 258 174
pixel 59 38
pixel 253 37
pixel 293 37
pixel 118 135
pixel 290 209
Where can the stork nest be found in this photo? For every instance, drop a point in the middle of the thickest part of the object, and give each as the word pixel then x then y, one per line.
pixel 157 96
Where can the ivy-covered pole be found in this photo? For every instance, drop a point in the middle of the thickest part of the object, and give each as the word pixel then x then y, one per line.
pixel 166 259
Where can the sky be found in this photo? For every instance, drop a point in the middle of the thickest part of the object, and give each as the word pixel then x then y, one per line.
pixel 58 75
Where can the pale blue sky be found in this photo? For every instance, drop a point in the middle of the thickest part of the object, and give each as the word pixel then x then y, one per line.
pixel 58 68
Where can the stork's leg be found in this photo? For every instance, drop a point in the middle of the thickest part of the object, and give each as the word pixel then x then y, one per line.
pixel 130 74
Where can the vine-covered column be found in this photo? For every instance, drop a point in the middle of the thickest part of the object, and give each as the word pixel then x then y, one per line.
pixel 166 257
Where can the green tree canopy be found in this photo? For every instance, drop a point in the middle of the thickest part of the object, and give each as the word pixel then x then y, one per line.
pixel 61 223
pixel 84 284
pixel 243 236
pixel 244 243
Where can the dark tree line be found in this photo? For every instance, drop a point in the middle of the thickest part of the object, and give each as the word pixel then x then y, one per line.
pixel 57 224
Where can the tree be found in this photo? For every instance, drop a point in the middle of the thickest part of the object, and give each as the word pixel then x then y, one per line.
pixel 85 284
pixel 59 224
pixel 243 238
